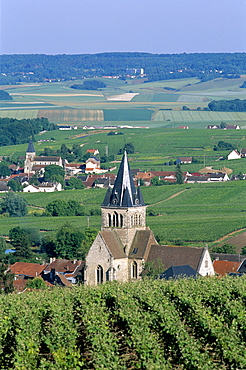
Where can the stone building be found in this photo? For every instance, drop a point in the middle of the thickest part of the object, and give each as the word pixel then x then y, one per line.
pixel 125 243
pixel 34 163
pixel 122 245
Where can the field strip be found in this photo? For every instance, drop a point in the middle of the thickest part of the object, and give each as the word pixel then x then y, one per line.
pixel 121 97
pixel 171 197
pixel 228 235
pixel 61 95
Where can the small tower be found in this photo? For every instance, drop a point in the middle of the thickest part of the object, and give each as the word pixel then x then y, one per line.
pixel 30 154
pixel 123 207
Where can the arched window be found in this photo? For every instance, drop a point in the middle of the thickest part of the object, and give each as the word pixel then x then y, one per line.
pixel 99 274
pixel 121 220
pixel 139 220
pixel 115 219
pixel 109 219
pixel 132 220
pixel 134 270
pixel 136 219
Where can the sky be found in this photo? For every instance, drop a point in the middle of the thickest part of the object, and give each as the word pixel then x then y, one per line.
pixel 96 26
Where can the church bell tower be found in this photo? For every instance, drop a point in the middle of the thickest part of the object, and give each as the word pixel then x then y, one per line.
pixel 123 208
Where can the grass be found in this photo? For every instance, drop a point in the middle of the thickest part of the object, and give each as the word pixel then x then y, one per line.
pixel 190 213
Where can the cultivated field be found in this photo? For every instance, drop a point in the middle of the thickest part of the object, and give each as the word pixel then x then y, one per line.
pixel 50 99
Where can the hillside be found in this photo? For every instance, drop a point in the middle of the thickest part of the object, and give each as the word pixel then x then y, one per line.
pixel 182 324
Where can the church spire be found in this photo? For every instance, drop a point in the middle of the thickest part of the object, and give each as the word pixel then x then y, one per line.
pixel 124 193
pixel 30 148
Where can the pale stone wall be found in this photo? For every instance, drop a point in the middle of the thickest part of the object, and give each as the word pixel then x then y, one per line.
pixel 127 217
pixel 113 269
pixel 206 266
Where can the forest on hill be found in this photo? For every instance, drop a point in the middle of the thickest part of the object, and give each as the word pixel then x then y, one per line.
pixel 186 324
pixel 41 67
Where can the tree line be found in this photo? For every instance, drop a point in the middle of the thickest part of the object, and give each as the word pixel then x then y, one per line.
pixel 14 131
pixel 40 67
pixel 235 105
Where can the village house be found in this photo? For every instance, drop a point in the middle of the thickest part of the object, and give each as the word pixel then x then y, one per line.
pixel 125 243
pixel 184 160
pixel 233 155
pixel 45 187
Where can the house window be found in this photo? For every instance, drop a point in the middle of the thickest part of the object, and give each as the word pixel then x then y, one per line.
pixel 134 270
pixel 206 264
pixel 99 274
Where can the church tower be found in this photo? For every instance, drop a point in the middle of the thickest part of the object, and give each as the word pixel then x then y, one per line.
pixel 30 154
pixel 123 244
pixel 123 207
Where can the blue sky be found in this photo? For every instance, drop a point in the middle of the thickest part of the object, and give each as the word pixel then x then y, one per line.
pixel 95 26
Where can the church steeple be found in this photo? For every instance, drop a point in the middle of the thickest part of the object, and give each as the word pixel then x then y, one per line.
pixel 124 193
pixel 30 148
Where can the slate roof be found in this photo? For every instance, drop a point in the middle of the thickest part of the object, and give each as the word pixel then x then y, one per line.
pixel 175 256
pixel 46 159
pixel 224 267
pixel 141 244
pixel 113 243
pixel 175 272
pixel 228 257
pixel 27 269
pixel 30 148
pixel 124 193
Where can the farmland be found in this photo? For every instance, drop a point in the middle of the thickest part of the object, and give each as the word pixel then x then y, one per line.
pixel 145 102
pixel 198 215
pixel 179 324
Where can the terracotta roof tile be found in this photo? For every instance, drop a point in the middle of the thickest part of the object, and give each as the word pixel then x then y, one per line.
pixel 27 269
pixel 224 267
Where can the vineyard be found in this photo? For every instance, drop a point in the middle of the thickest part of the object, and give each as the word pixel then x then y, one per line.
pixel 180 324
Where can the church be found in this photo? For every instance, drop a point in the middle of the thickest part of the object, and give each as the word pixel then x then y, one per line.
pixel 35 164
pixel 125 243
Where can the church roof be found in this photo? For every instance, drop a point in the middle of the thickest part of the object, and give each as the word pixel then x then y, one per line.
pixel 174 255
pixel 113 243
pixel 30 148
pixel 141 244
pixel 124 193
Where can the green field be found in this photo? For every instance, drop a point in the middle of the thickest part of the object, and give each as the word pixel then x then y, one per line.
pixel 193 214
pixel 81 106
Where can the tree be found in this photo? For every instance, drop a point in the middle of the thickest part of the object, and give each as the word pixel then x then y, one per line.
pixel 15 185
pixel 54 173
pixel 22 240
pixel 15 205
pixel 226 248
pixel 243 251
pixel 36 283
pixel 74 183
pixel 4 171
pixel 6 279
pixel 64 208
pixel 69 242
pixel 179 175
pixel 57 208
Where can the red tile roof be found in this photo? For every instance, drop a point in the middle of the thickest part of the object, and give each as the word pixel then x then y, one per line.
pixel 224 267
pixel 27 269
